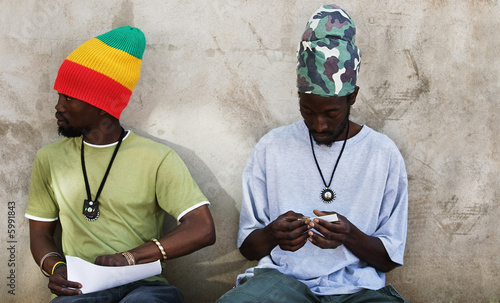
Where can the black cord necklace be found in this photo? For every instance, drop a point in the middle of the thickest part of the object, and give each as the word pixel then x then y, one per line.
pixel 327 194
pixel 91 208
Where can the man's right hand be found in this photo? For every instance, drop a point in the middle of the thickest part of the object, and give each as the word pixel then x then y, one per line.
pixel 59 285
pixel 289 231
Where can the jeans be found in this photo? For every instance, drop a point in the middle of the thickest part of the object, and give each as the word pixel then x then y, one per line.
pixel 156 291
pixel 271 286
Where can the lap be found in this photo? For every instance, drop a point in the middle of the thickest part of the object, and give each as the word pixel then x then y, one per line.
pixel 156 291
pixel 386 294
pixel 269 285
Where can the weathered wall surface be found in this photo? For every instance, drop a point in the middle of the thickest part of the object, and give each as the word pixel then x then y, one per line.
pixel 219 74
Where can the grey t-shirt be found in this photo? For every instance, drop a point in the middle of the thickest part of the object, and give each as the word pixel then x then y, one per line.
pixel 371 187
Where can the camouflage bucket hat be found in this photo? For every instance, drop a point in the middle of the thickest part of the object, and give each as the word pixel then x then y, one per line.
pixel 328 59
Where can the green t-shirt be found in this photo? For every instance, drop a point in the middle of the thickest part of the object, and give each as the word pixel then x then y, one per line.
pixel 146 179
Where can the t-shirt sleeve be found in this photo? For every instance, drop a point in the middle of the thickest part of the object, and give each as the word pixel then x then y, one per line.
pixel 254 208
pixel 176 190
pixel 41 201
pixel 393 219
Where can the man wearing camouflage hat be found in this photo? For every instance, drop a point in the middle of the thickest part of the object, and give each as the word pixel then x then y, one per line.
pixel 350 176
pixel 109 187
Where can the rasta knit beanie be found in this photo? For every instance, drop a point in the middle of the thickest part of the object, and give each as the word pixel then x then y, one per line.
pixel 328 60
pixel 104 70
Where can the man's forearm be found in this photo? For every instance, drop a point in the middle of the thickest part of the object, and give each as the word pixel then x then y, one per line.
pixel 369 249
pixel 196 231
pixel 258 244
pixel 42 243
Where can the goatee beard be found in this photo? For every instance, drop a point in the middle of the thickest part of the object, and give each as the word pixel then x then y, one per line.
pixel 69 132
pixel 346 121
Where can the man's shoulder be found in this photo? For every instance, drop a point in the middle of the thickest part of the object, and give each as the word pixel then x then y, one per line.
pixel 377 141
pixel 61 144
pixel 282 134
pixel 149 149
pixel 375 136
pixel 141 141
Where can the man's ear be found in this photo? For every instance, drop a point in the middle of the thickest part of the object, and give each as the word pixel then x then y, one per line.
pixel 353 95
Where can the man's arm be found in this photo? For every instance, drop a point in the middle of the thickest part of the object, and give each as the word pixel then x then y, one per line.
pixel 195 231
pixel 41 243
pixel 287 231
pixel 367 248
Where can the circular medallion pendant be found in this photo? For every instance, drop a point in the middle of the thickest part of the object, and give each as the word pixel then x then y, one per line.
pixel 91 210
pixel 93 217
pixel 328 195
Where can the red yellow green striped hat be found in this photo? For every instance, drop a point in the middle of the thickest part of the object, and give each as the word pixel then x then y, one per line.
pixel 104 70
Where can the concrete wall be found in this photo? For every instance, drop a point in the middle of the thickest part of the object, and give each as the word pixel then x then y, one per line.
pixel 219 74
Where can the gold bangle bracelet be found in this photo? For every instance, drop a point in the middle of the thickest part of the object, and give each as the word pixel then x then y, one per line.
pixel 57 265
pixel 129 256
pixel 160 247
pixel 43 260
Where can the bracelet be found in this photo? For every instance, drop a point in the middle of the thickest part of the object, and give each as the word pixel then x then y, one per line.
pixel 160 247
pixel 129 256
pixel 45 257
pixel 57 265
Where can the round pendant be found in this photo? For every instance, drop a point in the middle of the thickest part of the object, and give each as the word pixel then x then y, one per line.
pixel 328 195
pixel 91 210
pixel 92 217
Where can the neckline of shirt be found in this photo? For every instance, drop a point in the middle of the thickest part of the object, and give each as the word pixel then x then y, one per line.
pixel 107 145
pixel 337 144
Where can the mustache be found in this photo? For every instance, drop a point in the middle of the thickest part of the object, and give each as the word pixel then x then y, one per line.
pixel 321 133
pixel 59 116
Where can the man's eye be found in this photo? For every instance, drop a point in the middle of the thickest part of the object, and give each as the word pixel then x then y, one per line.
pixel 306 111
pixel 333 114
pixel 68 98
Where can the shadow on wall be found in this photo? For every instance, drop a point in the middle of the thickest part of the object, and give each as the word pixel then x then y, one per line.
pixel 205 275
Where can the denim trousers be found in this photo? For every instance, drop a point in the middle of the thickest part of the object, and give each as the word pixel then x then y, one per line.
pixel 156 291
pixel 271 286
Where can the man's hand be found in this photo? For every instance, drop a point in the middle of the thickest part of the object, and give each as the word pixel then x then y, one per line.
pixel 289 231
pixel 342 232
pixel 333 234
pixel 59 285
pixel 111 260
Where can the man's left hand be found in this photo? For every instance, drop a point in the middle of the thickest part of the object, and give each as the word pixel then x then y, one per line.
pixel 111 260
pixel 331 234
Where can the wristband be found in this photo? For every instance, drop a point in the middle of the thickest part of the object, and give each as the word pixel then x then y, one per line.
pixel 45 257
pixel 129 256
pixel 160 247
pixel 57 265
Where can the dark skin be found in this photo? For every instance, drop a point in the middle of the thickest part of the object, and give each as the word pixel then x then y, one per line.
pixel 326 118
pixel 97 126
pixel 195 231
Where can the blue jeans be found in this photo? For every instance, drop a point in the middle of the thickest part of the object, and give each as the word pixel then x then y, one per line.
pixel 156 291
pixel 271 286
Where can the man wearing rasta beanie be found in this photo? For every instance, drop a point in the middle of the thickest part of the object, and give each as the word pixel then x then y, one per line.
pixel 104 70
pixel 108 187
pixel 325 199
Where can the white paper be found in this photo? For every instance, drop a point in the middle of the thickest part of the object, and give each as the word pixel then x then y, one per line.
pixel 95 277
pixel 329 218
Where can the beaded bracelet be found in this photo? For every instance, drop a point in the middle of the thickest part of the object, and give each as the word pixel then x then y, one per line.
pixel 129 256
pixel 160 247
pixel 45 257
pixel 57 265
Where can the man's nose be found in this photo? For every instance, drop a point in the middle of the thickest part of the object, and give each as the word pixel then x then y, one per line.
pixel 60 104
pixel 319 124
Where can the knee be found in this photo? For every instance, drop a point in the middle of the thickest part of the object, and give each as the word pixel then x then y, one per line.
pixel 154 294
